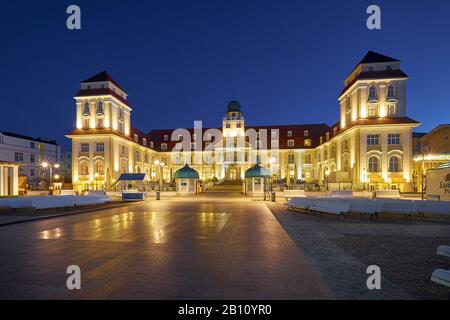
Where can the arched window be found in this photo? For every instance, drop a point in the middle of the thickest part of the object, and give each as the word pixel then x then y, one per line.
pixel 100 108
pixel 99 168
pixel 86 110
pixel 84 168
pixel 390 91
pixel 290 143
pixel 394 164
pixel 373 93
pixel 373 164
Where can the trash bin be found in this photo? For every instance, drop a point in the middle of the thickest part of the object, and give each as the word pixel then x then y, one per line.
pixel 158 195
pixel 274 196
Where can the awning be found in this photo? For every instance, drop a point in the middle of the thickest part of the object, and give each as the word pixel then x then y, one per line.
pixel 133 177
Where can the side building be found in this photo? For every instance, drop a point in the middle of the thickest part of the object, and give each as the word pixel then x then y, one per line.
pixel 30 153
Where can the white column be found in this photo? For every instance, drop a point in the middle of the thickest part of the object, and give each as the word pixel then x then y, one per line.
pixel 1 180
pixel 15 180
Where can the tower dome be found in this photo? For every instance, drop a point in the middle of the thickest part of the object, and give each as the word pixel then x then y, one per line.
pixel 234 106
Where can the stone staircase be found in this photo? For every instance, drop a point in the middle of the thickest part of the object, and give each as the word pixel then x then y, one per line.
pixel 227 186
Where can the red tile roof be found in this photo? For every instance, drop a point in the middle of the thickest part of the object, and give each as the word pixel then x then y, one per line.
pixel 102 77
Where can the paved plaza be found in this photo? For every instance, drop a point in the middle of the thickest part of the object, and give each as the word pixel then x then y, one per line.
pixel 213 246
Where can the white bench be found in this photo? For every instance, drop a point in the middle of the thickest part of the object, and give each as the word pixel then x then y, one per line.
pixel 441 276
pixel 327 205
pixel 365 206
pixel 299 203
pixel 393 194
pixel 341 194
pixel 432 207
pixel 443 251
pixel 403 207
pixel 51 202
pixel 288 194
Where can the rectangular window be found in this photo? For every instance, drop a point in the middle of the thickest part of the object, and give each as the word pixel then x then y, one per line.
pixel 166 137
pixel 124 151
pixel 273 133
pixel 394 138
pixel 306 133
pixel 32 172
pixel 373 139
pixel 289 133
pixel 308 158
pixel 291 158
pixel 307 143
pixel 290 143
pixel 32 158
pixel 373 110
pixel 99 147
pixel 32 145
pixel 84 147
pixel 144 141
pixel 18 157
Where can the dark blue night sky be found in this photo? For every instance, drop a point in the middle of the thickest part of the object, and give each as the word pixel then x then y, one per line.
pixel 182 61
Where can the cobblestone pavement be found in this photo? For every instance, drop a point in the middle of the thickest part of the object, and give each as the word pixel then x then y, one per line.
pixel 342 249
pixel 206 247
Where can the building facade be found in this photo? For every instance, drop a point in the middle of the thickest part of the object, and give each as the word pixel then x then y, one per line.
pixel 369 147
pixel 29 153
pixel 431 150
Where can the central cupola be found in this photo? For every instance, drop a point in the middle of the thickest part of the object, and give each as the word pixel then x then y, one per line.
pixel 233 122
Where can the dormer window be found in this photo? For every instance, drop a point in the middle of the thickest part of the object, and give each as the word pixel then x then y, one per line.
pixel 151 144
pixel 289 133
pixel 100 108
pixel 321 140
pixel 163 146
pixel 136 138
pixel 166 137
pixel 290 143
pixel 307 143
pixel 86 111
pixel 144 141
pixel 334 131
pixel 306 133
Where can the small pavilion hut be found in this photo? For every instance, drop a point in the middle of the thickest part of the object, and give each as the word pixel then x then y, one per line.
pixel 186 180
pixel 133 186
pixel 256 180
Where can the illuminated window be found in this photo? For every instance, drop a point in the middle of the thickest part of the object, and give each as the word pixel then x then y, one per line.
pixel 291 158
pixel 136 138
pixel 166 137
pixel 308 158
pixel 394 164
pixel 392 109
pixel 289 133
pixel 274 144
pixel 394 138
pixel 99 147
pixel 144 141
pixel 84 147
pixel 163 146
pixel 84 168
pixel 373 139
pixel 373 164
pixel 99 167
pixel 151 144
pixel 307 143
pixel 373 110
pixel 290 143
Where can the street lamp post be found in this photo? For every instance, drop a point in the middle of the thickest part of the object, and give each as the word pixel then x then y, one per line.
pixel 50 166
